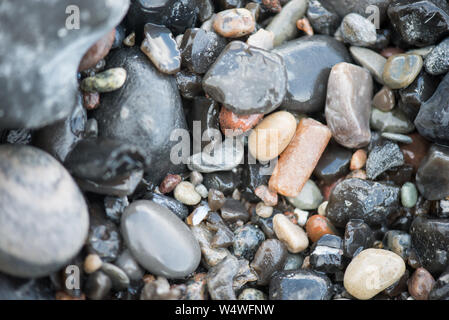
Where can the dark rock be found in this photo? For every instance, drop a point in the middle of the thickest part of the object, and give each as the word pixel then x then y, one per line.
pixel 357 30
pixel 327 254
pixel 133 113
pixel 12 288
pixel 206 10
pixel 270 257
pixel 232 79
pixel 43 213
pixel 436 61
pixel 370 201
pixel 253 176
pixel 203 122
pixel 358 236
pixel 333 164
pixel 398 175
pixel 322 20
pixel 98 286
pixel 18 136
pixel 223 237
pixel 215 199
pixel 220 279
pixel 170 251
pixel 179 209
pixel 120 35
pixel 225 182
pixel 106 166
pixel 246 241
pixel 432 120
pixel 343 7
pixel 189 84
pixel 234 210
pixel 397 241
pixel 430 239
pixel 416 94
pixel 442 209
pixel 420 23
pixel 430 180
pixel 300 285
pixel 399 286
pixel 394 121
pixel 39 57
pixel 244 275
pixel 308 61
pixel 265 224
pixel 119 278
pixel 383 157
pixel 129 265
pixel 200 49
pixel 229 4
pixel 440 290
pixel 114 207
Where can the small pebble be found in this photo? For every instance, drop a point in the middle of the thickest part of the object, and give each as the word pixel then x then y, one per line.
pixel 317 226
pixel 196 178
pixel 292 235
pixel 169 183
pixel 197 216
pixel 91 100
pixel 401 70
pixel 264 211
pixel 130 40
pixel 232 124
pixel 301 217
pixel 185 192
pixel 92 263
pixel 106 81
pixel 234 23
pixel 420 284
pixel 261 39
pixel 390 51
pixel 309 198
pixel 252 294
pixel 409 195
pixel 358 160
pixel 202 190
pixel 269 197
pixel 216 199
pixel 384 100
pixel 402 138
pixel 322 208
pixel 358 31
pixel 304 25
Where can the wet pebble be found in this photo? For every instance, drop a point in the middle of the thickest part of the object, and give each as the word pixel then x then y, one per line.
pixel 106 81
pixel 293 236
pixel 252 294
pixel 317 226
pixel 370 60
pixel 420 284
pixel 394 121
pixel 98 286
pixel 397 137
pixel 358 237
pixel 409 195
pixel 234 210
pixel 436 61
pixel 185 192
pixel 309 198
pixel 261 39
pixel 401 70
pixel 327 254
pixel 130 266
pixel 232 124
pixel 169 183
pixel 323 21
pixel 246 241
pixel 216 199
pixel 234 23
pixel 357 30
pixel 220 277
pixel 269 258
pixel 384 99
pixel 430 182
pixel 333 164
pixel 383 157
pixel 358 160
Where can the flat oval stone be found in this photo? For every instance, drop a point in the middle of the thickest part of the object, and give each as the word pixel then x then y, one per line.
pixel 372 271
pixel 159 240
pixel 271 136
pixel 308 61
pixel 270 257
pixel 401 70
pixel 246 79
pixel 106 81
pixel 333 164
pixel 43 213
pixel 234 23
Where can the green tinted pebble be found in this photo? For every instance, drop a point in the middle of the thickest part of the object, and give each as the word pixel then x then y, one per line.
pixel 309 198
pixel 106 81
pixel 409 195
pixel 394 121
pixel 401 70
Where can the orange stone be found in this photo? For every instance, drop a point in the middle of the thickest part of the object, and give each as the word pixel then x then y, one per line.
pixel 304 25
pixel 358 160
pixel 415 151
pixel 299 159
pixel 97 52
pixel 317 226
pixel 232 124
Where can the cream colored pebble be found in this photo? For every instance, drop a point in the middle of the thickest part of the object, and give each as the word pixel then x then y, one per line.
pixel 294 237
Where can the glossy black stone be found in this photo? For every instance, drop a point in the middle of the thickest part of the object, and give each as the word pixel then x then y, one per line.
pixel 247 79
pixel 270 257
pixel 200 48
pixel 358 236
pixel 170 203
pixel 309 61
pixel 322 20
pixel 234 210
pixel 133 113
pixel 432 121
pixel 253 175
pixel 334 163
pixel 327 254
pixel 300 285
pixel 399 286
pixel 265 224
pixel 430 239
pixel 39 56
pixel 420 23
pixel 431 181
pixel 189 84
pixel 436 62
pixel 398 175
pixel 226 181
pixel 98 285
pixel 203 122
pixel 440 290
pixel 418 92
pixel 370 201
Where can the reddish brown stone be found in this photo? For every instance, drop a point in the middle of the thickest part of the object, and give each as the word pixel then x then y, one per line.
pixel 97 52
pixel 415 151
pixel 304 25
pixel 272 5
pixel 317 226
pixel 91 100
pixel 268 197
pixel 299 159
pixel 169 183
pixel 358 160
pixel 388 52
pixel 232 124
pixel 420 284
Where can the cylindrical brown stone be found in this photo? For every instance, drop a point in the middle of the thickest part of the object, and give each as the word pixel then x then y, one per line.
pixel 296 163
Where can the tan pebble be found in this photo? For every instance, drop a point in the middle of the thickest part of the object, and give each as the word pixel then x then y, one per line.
pixel 372 271
pixel 263 210
pixel 272 135
pixel 130 40
pixel 236 195
pixel 322 208
pixel 358 160
pixel 185 192
pixel 306 263
pixel 234 23
pixel 304 25
pixel 291 234
pixel 92 263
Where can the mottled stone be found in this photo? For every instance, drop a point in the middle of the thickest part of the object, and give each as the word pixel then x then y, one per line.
pixel 161 48
pixel 268 197
pixel 398 242
pixel 308 61
pixel 271 136
pixel 420 284
pixel 246 79
pixel 171 251
pixel 283 24
pixel 300 285
pixel 370 201
pixel 234 210
pixel 185 192
pixel 348 105
pixel 310 135
pixel 372 271
pixel 106 81
pixel 358 236
pixel 317 226
pixel 40 57
pixel 327 254
pixel 210 255
pixel 261 39
pixel 384 99
pixel 43 213
pixel 226 181
pixel 431 183
pixel 234 23
pixel 440 290
pixel 436 62
pixel 189 84
pixel 252 294
pixel 357 30
pixel 13 288
pixel 309 198
pixel 246 241
pixel 401 70
pixel 383 157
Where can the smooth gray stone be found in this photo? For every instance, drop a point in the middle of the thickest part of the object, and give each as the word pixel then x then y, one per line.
pixel 44 220
pixel 370 60
pixel 39 56
pixel 394 121
pixel 98 285
pixel 220 279
pixel 159 240
pixel 343 7
pixel 397 137
pixel 383 157
pixel 322 20
pixel 144 112
pixel 431 178
pixel 308 61
pixel 129 265
pixel 119 278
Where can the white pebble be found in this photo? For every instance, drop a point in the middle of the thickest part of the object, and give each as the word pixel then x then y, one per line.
pixel 263 210
pixel 301 216
pixel 322 208
pixel 185 192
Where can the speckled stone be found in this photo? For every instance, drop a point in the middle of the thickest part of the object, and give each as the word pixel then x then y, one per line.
pixel 409 195
pixel 436 62
pixel 383 157
pixel 401 70
pixel 357 30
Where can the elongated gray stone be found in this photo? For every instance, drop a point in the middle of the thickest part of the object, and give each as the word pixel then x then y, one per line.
pixel 159 240
pixel 39 56
pixel 348 105
pixel 44 219
pixel 370 60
